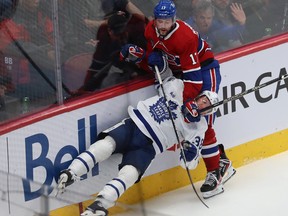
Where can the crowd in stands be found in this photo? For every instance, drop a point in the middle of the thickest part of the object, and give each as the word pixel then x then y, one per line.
pixel 99 28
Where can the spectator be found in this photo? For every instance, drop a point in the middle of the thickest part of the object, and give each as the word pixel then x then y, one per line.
pixel 27 39
pixel 120 29
pixel 202 20
pixel 110 6
pixel 6 9
pixel 5 77
pixel 264 18
pixel 5 83
pixel 38 26
pixel 231 14
pixel 88 15
pixel 78 13
pixel 217 34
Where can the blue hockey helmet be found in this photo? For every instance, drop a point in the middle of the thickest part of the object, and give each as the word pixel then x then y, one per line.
pixel 165 9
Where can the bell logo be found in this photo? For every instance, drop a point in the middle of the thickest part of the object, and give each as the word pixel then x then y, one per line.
pixel 52 168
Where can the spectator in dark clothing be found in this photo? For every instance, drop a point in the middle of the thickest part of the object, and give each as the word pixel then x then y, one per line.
pixel 88 15
pixel 121 28
pixel 6 9
pixel 264 18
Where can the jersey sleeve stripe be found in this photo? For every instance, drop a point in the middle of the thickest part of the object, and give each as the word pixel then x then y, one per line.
pixel 84 162
pixel 192 70
pixel 149 129
pixel 200 45
pixel 195 82
pixel 213 79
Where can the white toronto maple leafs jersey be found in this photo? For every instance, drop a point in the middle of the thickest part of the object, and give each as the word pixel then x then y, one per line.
pixel 153 119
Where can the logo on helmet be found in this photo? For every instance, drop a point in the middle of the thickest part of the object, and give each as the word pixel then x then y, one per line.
pixel 165 9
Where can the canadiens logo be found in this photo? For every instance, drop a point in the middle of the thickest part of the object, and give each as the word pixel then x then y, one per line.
pixel 160 112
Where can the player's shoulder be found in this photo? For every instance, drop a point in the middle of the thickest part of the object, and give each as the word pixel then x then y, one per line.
pixel 182 35
pixel 184 29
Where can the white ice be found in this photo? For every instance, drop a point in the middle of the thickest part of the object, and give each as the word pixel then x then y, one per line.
pixel 257 189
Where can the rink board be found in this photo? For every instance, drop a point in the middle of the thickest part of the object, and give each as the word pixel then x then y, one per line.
pixel 252 128
pixel 174 178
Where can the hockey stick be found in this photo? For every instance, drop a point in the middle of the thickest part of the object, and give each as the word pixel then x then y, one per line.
pixel 176 134
pixel 237 96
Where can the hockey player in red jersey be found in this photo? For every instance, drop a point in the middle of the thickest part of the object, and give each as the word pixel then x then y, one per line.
pixel 190 57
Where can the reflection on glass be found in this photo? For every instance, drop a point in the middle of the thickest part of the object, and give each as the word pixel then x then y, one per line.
pixel 89 45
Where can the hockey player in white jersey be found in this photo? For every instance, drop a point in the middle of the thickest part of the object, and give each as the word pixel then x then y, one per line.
pixel 148 132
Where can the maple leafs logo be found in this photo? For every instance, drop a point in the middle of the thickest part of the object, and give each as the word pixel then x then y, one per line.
pixel 160 112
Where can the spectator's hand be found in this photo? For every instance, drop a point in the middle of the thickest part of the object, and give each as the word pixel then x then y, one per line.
pixel 156 58
pixel 238 13
pixel 191 153
pixel 92 42
pixel 190 112
pixel 132 53
pixel 2 90
pixel 93 23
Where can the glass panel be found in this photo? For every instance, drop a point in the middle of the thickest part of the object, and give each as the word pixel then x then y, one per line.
pixel 27 57
pixel 89 51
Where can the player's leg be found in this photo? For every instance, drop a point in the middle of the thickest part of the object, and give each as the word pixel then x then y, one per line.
pixel 225 165
pixel 211 156
pixel 134 163
pixel 107 197
pixel 211 153
pixel 97 152
pixel 83 163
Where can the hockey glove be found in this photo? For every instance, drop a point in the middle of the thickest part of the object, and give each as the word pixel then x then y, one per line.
pixel 191 153
pixel 157 58
pixel 190 111
pixel 132 53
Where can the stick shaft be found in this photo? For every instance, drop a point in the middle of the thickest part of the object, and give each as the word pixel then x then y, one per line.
pixel 237 96
pixel 176 134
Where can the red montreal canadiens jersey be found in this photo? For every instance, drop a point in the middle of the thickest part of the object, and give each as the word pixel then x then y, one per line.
pixel 186 52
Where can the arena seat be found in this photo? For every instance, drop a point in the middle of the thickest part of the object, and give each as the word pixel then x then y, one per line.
pixel 74 70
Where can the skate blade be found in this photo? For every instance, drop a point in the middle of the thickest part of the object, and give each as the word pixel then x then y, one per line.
pixel 228 175
pixel 97 213
pixel 216 191
pixel 60 189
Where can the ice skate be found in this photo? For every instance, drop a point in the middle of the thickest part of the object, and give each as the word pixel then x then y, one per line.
pixel 226 170
pixel 95 209
pixel 66 178
pixel 225 165
pixel 212 185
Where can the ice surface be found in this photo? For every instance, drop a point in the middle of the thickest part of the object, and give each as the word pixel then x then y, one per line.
pixel 257 189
